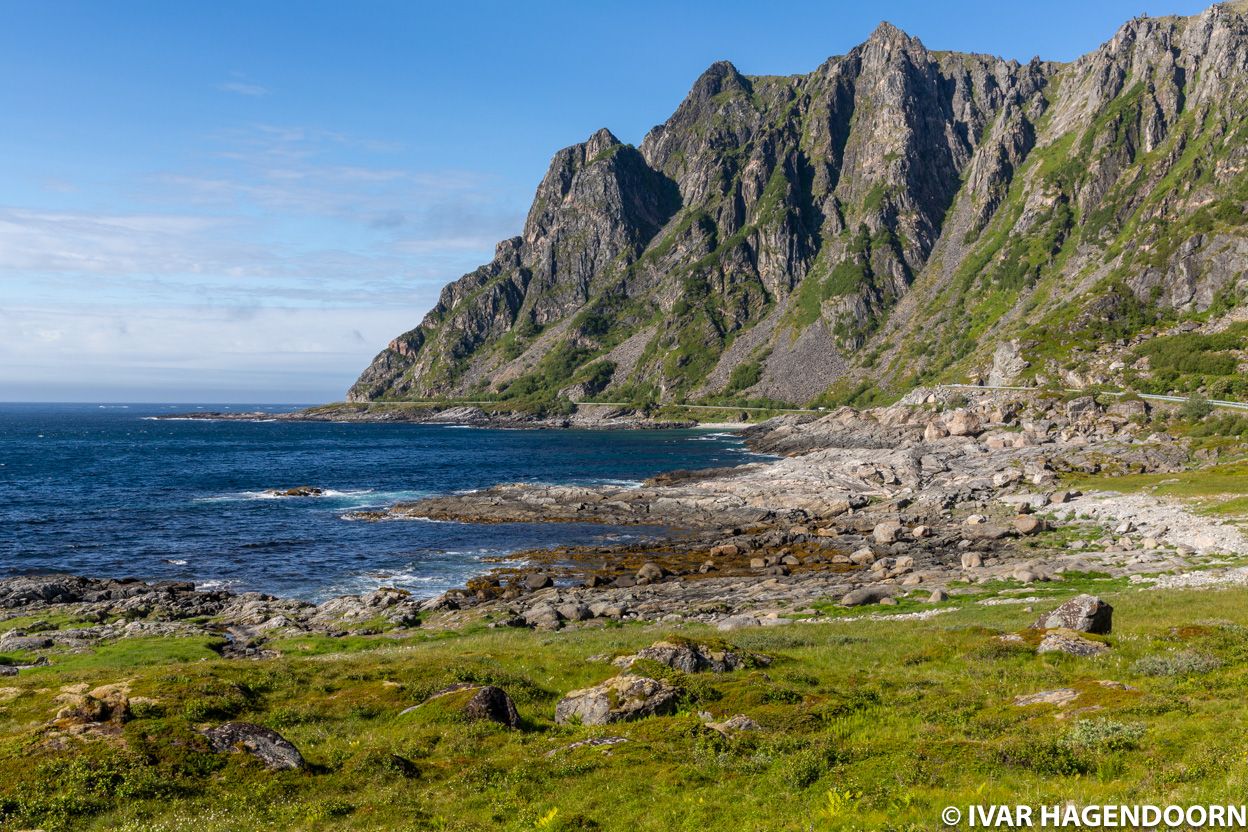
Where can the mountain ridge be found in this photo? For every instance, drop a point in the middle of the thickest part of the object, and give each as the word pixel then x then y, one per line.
pixel 897 216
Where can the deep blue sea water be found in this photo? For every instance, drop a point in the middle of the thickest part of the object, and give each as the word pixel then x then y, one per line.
pixel 105 490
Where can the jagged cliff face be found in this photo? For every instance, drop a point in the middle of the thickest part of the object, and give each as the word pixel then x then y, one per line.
pixel 897 216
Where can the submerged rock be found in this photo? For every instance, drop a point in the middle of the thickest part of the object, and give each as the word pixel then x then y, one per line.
pixel 297 491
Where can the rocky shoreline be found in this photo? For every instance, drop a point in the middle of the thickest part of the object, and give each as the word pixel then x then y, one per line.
pixel 584 416
pixel 925 501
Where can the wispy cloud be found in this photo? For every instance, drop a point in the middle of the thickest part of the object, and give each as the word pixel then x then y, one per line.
pixel 244 88
pixel 276 250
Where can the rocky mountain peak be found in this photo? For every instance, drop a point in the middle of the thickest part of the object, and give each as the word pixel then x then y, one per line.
pixel 894 217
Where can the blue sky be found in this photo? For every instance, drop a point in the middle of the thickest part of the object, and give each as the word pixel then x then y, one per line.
pixel 244 201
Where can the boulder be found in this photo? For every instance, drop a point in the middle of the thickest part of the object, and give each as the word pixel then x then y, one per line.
pixel 574 612
pixel 478 703
pixel 938 596
pixel 862 557
pixel 726 550
pixel 651 572
pixel 543 617
pixel 866 595
pixel 963 423
pixel 1080 406
pixel 265 744
pixel 1084 614
pixel 694 657
pixel 14 641
pixel 736 622
pixel 1028 524
pixel 536 580
pixel 622 699
pixel 101 711
pixel 886 532
pixel 972 560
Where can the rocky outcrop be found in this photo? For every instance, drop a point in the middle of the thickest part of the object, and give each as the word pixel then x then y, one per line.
pixel 624 698
pixel 273 750
pixel 897 214
pixel 694 657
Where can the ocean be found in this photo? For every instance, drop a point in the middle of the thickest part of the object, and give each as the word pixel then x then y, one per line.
pixel 108 491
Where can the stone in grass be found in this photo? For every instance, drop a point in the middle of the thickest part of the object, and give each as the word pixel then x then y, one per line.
pixel 734 725
pixel 622 699
pixel 265 744
pixel 695 657
pixel 467 702
pixel 1066 641
pixel 1058 696
pixel 866 595
pixel 1084 614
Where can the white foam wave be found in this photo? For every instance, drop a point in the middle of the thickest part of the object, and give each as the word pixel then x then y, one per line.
pixel 353 498
pixel 209 585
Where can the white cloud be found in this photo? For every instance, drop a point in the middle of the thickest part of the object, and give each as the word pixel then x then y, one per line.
pixel 290 254
pixel 121 348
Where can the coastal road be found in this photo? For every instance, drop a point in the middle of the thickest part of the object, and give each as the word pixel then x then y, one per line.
pixel 1149 396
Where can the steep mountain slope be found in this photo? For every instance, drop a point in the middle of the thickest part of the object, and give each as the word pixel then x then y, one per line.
pixel 897 216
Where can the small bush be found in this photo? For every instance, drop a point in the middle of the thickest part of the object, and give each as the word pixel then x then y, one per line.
pixel 1105 735
pixel 1182 663
pixel 1196 408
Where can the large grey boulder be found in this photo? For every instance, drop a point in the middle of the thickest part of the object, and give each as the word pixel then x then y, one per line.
pixel 866 595
pixel 1084 614
pixel 265 744
pixel 622 699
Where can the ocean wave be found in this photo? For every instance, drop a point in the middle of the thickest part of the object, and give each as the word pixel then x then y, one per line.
pixel 176 561
pixel 213 583
pixel 349 498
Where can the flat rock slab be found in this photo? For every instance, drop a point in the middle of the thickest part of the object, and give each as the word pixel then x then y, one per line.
pixel 1060 641
pixel 1058 697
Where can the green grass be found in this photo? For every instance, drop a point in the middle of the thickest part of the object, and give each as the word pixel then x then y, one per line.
pixel 1218 489
pixel 866 725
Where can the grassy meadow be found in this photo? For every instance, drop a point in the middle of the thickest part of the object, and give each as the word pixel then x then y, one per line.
pixel 865 724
